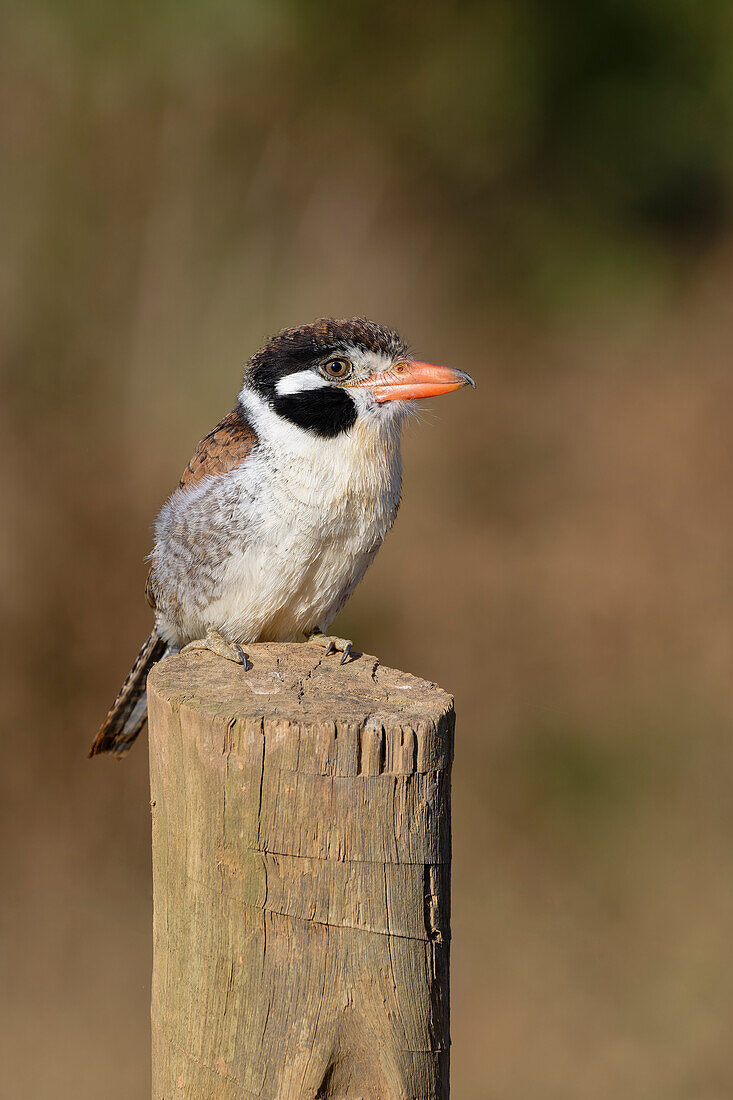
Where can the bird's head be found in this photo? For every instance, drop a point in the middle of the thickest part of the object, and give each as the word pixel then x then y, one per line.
pixel 326 376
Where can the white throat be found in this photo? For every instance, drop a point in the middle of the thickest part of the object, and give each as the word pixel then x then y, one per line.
pixel 375 430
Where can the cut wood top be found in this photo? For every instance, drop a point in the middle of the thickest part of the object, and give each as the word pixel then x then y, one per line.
pixel 357 718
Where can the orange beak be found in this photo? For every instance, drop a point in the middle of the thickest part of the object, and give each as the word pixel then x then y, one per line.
pixel 410 380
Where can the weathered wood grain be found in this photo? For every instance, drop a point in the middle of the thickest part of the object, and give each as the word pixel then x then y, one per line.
pixel 301 862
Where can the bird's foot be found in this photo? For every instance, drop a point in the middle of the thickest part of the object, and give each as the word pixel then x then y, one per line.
pixel 215 643
pixel 333 645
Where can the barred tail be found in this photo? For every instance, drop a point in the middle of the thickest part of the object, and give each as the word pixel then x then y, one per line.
pixel 128 714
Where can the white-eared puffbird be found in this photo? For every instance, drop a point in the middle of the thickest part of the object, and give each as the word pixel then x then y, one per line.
pixel 284 504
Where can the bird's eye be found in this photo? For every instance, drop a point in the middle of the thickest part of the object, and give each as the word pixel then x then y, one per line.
pixel 337 368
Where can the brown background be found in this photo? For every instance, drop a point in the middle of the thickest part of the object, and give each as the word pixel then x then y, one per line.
pixel 539 194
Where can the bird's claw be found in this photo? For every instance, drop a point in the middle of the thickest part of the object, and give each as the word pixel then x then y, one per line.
pixel 333 645
pixel 243 656
pixel 215 643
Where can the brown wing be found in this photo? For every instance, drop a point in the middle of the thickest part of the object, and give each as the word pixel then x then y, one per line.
pixel 149 590
pixel 224 448
pixel 221 450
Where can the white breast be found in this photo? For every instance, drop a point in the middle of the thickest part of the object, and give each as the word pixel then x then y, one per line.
pixel 305 516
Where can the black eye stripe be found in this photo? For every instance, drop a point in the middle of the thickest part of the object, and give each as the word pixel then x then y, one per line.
pixel 326 412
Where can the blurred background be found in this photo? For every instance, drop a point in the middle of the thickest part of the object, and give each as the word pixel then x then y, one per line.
pixel 539 193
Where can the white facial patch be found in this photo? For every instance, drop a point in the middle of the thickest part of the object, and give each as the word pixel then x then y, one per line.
pixel 370 362
pixel 299 382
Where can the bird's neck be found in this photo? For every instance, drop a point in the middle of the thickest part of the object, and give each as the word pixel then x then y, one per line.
pixel 363 463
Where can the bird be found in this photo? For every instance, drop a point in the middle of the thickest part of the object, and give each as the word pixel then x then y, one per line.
pixel 283 505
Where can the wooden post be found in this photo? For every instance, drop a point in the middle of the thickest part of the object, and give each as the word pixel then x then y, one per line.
pixel 301 870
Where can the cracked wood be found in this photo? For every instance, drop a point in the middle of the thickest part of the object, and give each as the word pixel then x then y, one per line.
pixel 301 862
